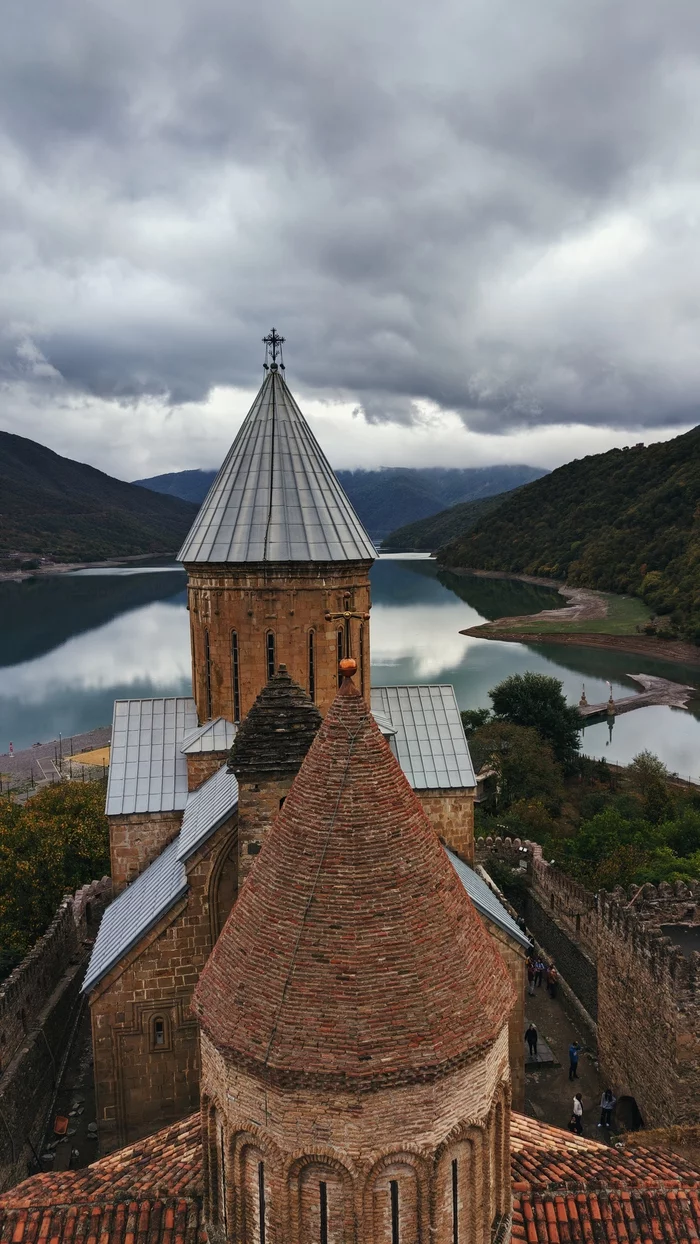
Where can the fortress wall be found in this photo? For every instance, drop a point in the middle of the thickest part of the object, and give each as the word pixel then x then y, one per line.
pixel 39 1006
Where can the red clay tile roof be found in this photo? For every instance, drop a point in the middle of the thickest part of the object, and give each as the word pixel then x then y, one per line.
pixel 571 1190
pixel 353 954
pixel 127 1222
pixel 165 1165
pixel 150 1193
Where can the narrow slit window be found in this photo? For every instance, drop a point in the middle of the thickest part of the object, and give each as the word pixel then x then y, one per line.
pixel 235 677
pixel 312 665
pixel 323 1205
pixel 341 654
pixel 160 1035
pixel 207 674
pixel 455 1204
pixel 394 1194
pixel 261 1200
pixel 270 653
pixel 222 1158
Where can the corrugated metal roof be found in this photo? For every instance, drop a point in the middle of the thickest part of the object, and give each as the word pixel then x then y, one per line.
pixel 385 724
pixel 485 901
pixel 206 809
pixel 147 771
pixel 213 736
pixel 276 498
pixel 429 743
pixel 135 911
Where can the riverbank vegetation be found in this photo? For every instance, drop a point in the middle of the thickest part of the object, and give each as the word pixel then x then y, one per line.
pixel 627 521
pixel 49 846
pixel 602 825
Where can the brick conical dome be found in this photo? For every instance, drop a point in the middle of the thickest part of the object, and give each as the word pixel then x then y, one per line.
pixel 353 953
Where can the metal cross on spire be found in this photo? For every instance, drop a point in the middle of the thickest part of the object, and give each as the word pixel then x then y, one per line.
pixel 273 346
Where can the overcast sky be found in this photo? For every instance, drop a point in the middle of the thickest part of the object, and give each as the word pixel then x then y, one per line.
pixel 475 221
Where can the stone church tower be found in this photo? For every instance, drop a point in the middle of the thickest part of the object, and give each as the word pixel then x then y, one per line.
pixel 354 1022
pixel 278 564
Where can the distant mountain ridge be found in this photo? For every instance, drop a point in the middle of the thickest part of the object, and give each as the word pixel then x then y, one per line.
pixel 623 521
pixel 427 535
pixel 386 498
pixel 53 507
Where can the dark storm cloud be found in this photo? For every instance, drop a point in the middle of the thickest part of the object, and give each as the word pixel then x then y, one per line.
pixel 490 207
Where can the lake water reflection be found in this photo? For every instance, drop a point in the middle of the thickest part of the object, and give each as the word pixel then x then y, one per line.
pixel 71 644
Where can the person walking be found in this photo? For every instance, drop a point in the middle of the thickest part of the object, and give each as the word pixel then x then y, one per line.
pixel 552 981
pixel 577 1117
pixel 539 969
pixel 574 1049
pixel 531 1038
pixel 607 1105
pixel 531 978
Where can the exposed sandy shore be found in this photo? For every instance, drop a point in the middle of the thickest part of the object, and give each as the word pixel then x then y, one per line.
pixel 16 576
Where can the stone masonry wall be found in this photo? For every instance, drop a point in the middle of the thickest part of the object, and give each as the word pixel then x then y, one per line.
pixel 648 992
pixel 516 963
pixel 203 765
pixel 451 813
pixel 136 840
pixel 145 1040
pixel 39 1005
pixel 258 805
pixel 648 1017
pixel 287 601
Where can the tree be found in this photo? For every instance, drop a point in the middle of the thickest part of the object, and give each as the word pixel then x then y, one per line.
pixel 649 777
pixel 474 718
pixel 56 842
pixel 537 701
pixel 524 765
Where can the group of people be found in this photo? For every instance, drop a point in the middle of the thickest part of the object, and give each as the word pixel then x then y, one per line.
pixel 538 971
pixel 607 1105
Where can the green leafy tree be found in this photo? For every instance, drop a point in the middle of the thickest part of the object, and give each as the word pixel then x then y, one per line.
pixel 537 701
pixel 524 764
pixel 56 842
pixel 474 718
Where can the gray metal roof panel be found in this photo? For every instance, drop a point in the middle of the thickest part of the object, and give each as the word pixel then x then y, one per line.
pixel 429 741
pixel 276 498
pixel 484 899
pixel 213 736
pixel 206 809
pixel 135 911
pixel 147 772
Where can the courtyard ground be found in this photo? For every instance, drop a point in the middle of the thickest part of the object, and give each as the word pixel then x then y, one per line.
pixel 549 1093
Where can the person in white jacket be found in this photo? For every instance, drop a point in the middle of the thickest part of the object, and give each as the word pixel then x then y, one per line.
pixel 577 1118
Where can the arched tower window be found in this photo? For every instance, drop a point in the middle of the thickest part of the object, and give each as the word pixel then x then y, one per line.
pixel 341 653
pixel 207 675
pixel 235 677
pixel 261 1202
pixel 312 665
pixel 270 653
pixel 159 1033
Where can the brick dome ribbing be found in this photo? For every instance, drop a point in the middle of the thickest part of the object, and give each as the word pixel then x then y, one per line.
pixel 353 953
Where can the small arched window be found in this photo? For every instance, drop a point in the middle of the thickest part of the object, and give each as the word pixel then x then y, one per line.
pixel 312 665
pixel 235 677
pixel 261 1202
pixel 160 1033
pixel 270 652
pixel 207 675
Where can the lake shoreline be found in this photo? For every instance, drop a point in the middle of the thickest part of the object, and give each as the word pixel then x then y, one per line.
pixel 19 576
pixel 677 651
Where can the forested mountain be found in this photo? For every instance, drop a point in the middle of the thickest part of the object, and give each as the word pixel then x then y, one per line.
pixel 428 534
pixel 54 507
pixel 624 521
pixel 386 498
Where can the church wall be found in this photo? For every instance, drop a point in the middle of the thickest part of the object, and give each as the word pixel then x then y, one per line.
pixel 136 840
pixel 451 813
pixel 203 765
pixel 516 962
pixel 142 1082
pixel 258 805
pixel 288 601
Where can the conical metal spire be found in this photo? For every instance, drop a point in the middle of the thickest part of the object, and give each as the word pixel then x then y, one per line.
pixel 276 498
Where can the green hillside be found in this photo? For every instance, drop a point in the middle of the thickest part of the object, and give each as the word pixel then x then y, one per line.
pixel 428 534
pixel 624 521
pixel 53 507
